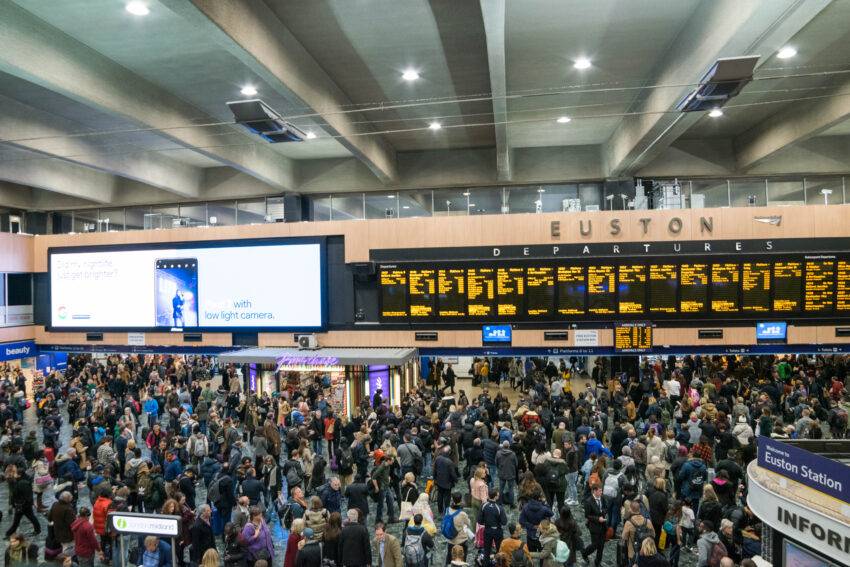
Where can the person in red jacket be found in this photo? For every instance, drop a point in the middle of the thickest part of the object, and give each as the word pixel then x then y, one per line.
pixel 100 511
pixel 85 541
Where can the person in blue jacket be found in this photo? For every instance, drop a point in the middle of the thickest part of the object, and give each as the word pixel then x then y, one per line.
pixel 173 469
pixel 594 445
pixel 530 517
pixel 154 553
pixel 692 476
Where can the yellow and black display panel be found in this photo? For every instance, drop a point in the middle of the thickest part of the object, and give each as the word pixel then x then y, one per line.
pixel 393 293
pixel 632 338
pixel 787 286
pixel 631 289
pixel 480 292
pixel 663 288
pixel 696 288
pixel 423 292
pixel 755 287
pixel 451 293
pixel 540 291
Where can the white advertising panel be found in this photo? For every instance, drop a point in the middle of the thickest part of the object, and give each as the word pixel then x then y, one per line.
pixel 209 285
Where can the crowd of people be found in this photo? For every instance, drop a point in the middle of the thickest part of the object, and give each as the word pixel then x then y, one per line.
pixel 540 462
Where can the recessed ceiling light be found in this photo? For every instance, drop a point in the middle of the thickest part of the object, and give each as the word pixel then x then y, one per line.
pixel 137 8
pixel 582 63
pixel 472 204
pixel 405 206
pixel 786 52
pixel 390 196
pixel 410 75
pixel 311 135
pixel 541 190
pixel 715 113
pixel 249 90
pixel 563 119
pixel 466 193
pixel 435 125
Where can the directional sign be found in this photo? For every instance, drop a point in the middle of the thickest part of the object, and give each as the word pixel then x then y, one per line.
pixel 147 524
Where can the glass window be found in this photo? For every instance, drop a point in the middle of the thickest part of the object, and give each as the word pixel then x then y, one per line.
pixel 524 199
pixel 708 193
pixel 85 221
pixel 62 223
pixel 415 203
pixel 162 217
pixel 591 196
pixel 320 208
pixel 135 217
pixel 275 208
pixel 19 288
pixel 817 188
pixel 251 212
pixel 382 205
pixel 788 191
pixel 194 215
pixel 485 201
pixel 111 220
pixel 347 207
pixel 748 192
pixel 221 213
pixel 451 202
pixel 558 198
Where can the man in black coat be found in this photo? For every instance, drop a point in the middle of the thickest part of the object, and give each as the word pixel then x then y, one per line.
pixel 445 476
pixel 252 488
pixel 354 545
pixel 357 495
pixel 202 535
pixel 21 500
pixel 595 507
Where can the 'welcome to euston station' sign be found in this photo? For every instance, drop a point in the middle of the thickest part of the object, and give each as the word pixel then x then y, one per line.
pixel 819 473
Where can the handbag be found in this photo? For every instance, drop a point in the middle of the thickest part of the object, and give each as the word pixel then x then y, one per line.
pixel 43 480
pixel 609 533
pixel 479 536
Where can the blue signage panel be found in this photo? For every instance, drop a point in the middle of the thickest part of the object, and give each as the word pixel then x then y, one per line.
pixel 14 351
pixel 496 334
pixel 772 331
pixel 820 473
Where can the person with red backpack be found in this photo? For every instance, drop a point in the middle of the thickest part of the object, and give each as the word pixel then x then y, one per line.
pixel 710 550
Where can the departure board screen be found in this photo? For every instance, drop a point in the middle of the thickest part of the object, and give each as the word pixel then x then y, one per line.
pixel 572 288
pixel 423 291
pixel 693 288
pixel 451 293
pixel 481 292
pixel 755 285
pixel 820 285
pixel 632 338
pixel 663 287
pixel 725 278
pixel 393 293
pixel 787 286
pixel 601 290
pixel 510 291
pixel 842 291
pixel 631 289
pixel 540 291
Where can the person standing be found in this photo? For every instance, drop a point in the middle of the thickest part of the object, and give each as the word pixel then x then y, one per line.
pixel 494 520
pixel 449 378
pixel 508 465
pixel 85 541
pixel 595 509
pixel 445 476
pixel 257 537
pixel 20 497
pixel 354 546
pixel 457 532
pixel 388 548
pixel 202 534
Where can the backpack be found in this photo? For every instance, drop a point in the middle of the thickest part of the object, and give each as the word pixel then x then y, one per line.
pixel 155 496
pixel 641 533
pixel 671 453
pixel 612 486
pixel 293 474
pixel 344 462
pixel 519 558
pixel 552 476
pixel 718 552
pixel 697 480
pixel 447 528
pixel 200 447
pixel 562 552
pixel 414 553
pixel 214 493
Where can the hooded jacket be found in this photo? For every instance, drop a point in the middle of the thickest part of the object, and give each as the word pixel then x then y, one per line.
pixel 532 513
pixel 704 545
pixel 507 462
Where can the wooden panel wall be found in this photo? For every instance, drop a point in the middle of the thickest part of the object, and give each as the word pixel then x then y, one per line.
pixel 16 252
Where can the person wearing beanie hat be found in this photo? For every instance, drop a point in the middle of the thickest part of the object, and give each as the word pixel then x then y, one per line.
pixel 310 550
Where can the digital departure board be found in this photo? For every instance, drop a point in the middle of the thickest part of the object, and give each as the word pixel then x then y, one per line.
pixel 663 288
pixel 481 292
pixel 510 291
pixel 693 288
pixel 725 278
pixel 423 291
pixel 393 293
pixel 632 338
pixel 755 287
pixel 819 291
pixel 540 291
pixel 451 293
pixel 787 286
pixel 572 290
pixel 631 288
pixel 601 290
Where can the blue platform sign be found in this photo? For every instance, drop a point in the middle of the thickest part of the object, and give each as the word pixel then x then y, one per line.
pixel 773 331
pixel 819 473
pixel 14 351
pixel 496 334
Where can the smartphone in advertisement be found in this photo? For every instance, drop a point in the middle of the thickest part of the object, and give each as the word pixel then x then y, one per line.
pixel 176 292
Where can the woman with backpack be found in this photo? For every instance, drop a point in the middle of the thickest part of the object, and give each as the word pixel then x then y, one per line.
pixel 570 534
pixel 554 551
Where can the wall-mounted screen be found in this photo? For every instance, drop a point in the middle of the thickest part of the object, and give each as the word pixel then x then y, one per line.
pixel 773 331
pixel 496 334
pixel 259 284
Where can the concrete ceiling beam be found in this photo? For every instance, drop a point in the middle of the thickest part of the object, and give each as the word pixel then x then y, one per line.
pixel 493 12
pixel 253 33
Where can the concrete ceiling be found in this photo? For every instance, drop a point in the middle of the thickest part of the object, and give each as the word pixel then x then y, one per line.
pixel 98 106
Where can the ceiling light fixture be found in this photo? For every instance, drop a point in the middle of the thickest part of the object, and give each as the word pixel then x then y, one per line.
pixel 563 119
pixel 249 90
pixel 311 135
pixel 390 196
pixel 405 206
pixel 582 63
pixel 786 52
pixel 715 113
pixel 410 75
pixel 466 193
pixel 541 190
pixel 472 204
pixel 435 125
pixel 137 8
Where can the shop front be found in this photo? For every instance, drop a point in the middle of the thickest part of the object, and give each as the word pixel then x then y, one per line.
pixel 803 501
pixel 346 375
